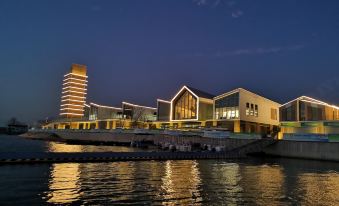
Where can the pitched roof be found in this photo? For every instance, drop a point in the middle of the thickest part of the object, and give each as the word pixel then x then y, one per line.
pixel 200 93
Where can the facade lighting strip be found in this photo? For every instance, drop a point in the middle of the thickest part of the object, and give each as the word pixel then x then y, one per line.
pixel 71 109
pixel 69 91
pixel 80 97
pixel 73 88
pixel 68 113
pixel 74 83
pixel 70 78
pixel 75 75
pixel 71 100
pixel 72 105
pixel 164 101
pixel 97 105
pixel 135 105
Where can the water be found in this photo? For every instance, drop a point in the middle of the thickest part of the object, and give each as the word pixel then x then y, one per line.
pixel 204 182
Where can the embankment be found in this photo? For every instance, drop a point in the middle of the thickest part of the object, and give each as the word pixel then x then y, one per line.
pixel 306 150
pixel 293 149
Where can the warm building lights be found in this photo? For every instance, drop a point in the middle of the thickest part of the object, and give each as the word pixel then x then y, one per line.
pixel 74 92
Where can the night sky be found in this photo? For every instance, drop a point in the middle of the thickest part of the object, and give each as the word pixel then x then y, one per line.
pixel 138 51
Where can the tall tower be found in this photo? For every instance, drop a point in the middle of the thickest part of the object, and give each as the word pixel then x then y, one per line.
pixel 74 90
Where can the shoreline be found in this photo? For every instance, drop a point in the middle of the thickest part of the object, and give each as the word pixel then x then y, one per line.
pixel 322 151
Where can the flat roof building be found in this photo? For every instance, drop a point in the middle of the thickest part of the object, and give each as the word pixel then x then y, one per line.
pixel 306 115
pixel 136 112
pixel 243 111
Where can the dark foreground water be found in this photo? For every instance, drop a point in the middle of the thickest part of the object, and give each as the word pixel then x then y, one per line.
pixel 207 182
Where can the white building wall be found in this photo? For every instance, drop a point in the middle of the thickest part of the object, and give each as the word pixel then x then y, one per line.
pixel 264 108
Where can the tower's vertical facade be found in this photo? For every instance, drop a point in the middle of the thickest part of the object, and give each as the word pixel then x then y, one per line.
pixel 74 90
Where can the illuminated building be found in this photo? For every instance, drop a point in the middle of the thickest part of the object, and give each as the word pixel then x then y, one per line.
pixel 237 111
pixel 243 111
pixel 305 115
pixel 163 108
pixel 74 92
pixel 136 112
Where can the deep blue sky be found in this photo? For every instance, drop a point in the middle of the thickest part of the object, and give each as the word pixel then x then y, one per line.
pixel 140 50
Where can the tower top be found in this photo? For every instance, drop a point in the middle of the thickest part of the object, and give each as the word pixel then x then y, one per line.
pixel 79 69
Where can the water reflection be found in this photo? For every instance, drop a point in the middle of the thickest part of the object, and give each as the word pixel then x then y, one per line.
pixel 188 183
pixel 64 185
pixel 181 183
pixel 264 184
pixel 318 189
pixel 62 147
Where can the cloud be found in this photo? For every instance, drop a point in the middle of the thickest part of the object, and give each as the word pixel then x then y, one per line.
pixel 252 51
pixel 229 6
pixel 200 2
pixel 237 13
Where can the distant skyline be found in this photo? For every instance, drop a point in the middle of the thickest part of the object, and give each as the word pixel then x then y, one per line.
pixel 138 51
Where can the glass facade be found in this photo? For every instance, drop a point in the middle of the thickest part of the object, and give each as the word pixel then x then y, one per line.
pixel 315 112
pixel 227 107
pixel 308 111
pixel 185 107
pixel 289 112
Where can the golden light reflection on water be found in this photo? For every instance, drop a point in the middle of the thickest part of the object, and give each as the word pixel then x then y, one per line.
pixel 317 189
pixel 64 185
pixel 181 182
pixel 265 184
pixel 59 147
pixel 227 176
pixel 62 147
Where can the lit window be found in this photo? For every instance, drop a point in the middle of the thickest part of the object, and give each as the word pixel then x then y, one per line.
pixel 247 109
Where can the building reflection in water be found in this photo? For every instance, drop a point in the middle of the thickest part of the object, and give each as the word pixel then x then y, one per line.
pixel 264 184
pixel 64 185
pixel 226 177
pixel 181 183
pixel 60 147
pixel 318 189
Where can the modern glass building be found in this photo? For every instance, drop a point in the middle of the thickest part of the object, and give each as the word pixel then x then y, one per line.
pixel 190 107
pixel 305 115
pixel 101 112
pixel 237 111
pixel 74 92
pixel 163 110
pixel 136 112
pixel 308 109
pixel 243 111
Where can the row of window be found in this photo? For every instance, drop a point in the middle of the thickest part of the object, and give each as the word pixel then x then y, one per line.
pixel 251 109
pixel 227 113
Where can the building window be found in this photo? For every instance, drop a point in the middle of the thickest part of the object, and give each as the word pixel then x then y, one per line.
pixel 274 114
pixel 185 107
pixel 227 113
pixel 247 109
pixel 252 109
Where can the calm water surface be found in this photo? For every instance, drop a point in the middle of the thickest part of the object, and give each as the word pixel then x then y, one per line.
pixel 204 182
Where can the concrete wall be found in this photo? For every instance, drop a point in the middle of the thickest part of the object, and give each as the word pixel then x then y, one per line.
pixel 307 150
